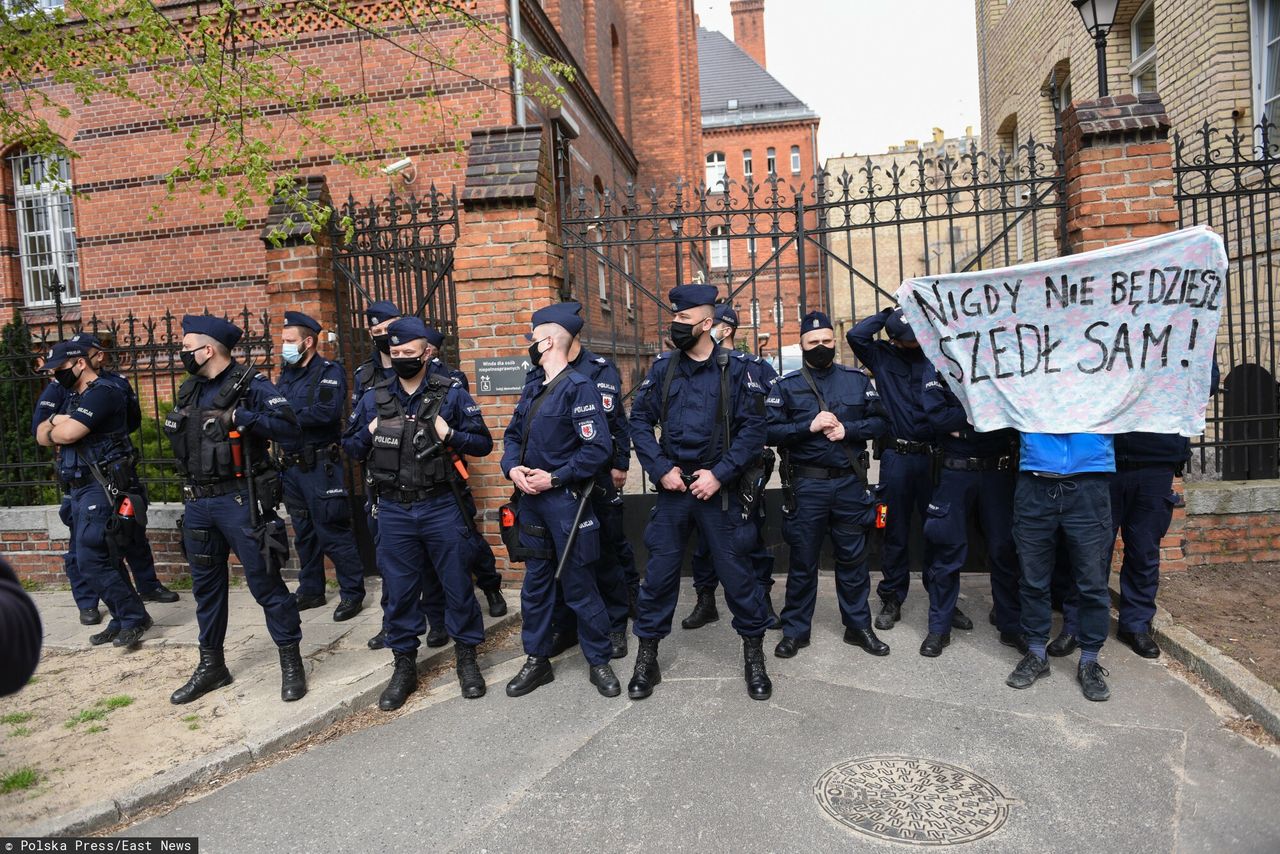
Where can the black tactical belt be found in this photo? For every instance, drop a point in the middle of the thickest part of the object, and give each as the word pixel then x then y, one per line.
pixel 1123 465
pixel 902 446
pixel 978 463
pixel 310 457
pixel 77 482
pixel 192 491
pixel 412 496
pixel 820 472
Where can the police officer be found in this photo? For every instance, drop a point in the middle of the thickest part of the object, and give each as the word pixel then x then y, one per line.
pixel 906 464
pixel 704 610
pixel 314 490
pixel 137 551
pixel 555 446
pixel 821 417
pixel 977 480
pixel 94 454
pixel 617 561
pixel 405 431
pixel 710 409
pixel 223 397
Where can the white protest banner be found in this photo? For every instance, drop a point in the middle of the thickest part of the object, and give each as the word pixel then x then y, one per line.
pixel 1109 341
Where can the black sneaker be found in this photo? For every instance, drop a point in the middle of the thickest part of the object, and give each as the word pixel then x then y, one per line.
pixel 1029 669
pixel 159 594
pixel 90 616
pixel 1089 675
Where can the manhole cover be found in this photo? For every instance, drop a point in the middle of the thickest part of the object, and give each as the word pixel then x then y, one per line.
pixel 915 801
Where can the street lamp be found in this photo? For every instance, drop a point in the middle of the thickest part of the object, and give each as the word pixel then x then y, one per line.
pixel 1098 16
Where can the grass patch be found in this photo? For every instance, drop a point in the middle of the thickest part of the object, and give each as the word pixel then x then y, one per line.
pixel 33 680
pixel 84 716
pixel 19 732
pixel 31 585
pixel 182 582
pixel 15 718
pixel 96 728
pixel 23 778
pixel 192 721
pixel 117 702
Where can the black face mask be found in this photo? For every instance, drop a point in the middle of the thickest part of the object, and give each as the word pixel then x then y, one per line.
pixel 535 355
pixel 382 344
pixel 189 361
pixel 820 357
pixel 408 367
pixel 682 335
pixel 66 377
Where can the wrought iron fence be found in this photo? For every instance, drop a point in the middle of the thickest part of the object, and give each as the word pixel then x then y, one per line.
pixel 1230 181
pixel 144 350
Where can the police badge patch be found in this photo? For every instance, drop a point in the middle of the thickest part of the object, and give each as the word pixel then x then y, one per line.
pixel 587 430
pixel 607 399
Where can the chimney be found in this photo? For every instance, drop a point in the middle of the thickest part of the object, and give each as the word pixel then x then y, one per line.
pixel 748 27
pixel 938 136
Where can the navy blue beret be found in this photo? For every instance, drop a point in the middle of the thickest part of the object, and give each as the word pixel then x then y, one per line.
pixel 407 329
pixel 224 332
pixel 88 339
pixel 63 352
pixel 897 327
pixel 690 296
pixel 297 318
pixel 815 320
pixel 435 337
pixel 562 314
pixel 381 311
pixel 726 314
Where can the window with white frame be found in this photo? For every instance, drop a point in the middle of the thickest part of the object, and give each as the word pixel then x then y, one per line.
pixel 755 312
pixel 1064 93
pixel 1265 26
pixel 746 164
pixel 22 7
pixel 715 170
pixel 1142 38
pixel 771 162
pixel 718 249
pixel 795 160
pixel 46 227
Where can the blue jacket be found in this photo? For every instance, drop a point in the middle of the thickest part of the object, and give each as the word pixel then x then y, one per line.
pixel 947 416
pixel 1068 453
pixel 608 382
pixel 471 435
pixel 791 407
pixel 315 391
pixel 899 376
pixel 569 435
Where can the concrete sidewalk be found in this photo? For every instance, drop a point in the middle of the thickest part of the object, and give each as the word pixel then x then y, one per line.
pixel 343 676
pixel 852 753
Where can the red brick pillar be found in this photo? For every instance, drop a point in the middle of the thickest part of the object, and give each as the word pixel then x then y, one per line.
pixel 1120 187
pixel 300 263
pixel 507 264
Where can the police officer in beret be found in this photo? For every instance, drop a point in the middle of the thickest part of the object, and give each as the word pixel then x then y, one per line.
pixel 976 482
pixel 315 492
pixel 617 560
pixel 556 445
pixel 710 410
pixel 906 464
pixel 95 461
pixel 137 552
pixel 704 610
pixel 820 417
pixel 406 432
pixel 219 399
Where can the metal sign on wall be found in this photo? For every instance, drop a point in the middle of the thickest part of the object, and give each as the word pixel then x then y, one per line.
pixel 500 376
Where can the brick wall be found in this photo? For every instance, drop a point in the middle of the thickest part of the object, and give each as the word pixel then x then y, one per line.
pixel 1230 523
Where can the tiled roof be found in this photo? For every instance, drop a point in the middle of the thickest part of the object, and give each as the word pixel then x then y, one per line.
pixel 728 73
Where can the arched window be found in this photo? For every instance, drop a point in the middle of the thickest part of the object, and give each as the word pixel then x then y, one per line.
pixel 46 227
pixel 715 170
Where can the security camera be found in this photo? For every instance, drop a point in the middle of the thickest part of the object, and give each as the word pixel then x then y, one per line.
pixel 397 167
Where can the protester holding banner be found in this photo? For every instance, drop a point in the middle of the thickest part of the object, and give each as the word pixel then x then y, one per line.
pixel 1071 352
pixel 906 462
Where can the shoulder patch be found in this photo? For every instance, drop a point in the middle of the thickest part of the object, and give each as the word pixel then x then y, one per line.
pixel 773 400
pixel 587 430
pixel 600 360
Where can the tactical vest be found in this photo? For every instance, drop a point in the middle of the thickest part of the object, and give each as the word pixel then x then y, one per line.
pixel 95 448
pixel 406 452
pixel 201 446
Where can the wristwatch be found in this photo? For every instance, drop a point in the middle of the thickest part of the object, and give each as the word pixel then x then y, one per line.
pixel 556 482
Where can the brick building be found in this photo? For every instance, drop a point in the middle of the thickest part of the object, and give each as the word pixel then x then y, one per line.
pixel 755 132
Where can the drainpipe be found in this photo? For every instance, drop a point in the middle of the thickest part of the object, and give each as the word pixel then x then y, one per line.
pixel 517 48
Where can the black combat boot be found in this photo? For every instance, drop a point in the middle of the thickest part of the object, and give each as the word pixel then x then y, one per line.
pixel 378 641
pixel 469 676
pixel 497 605
pixel 293 674
pixel 646 674
pixel 437 637
pixel 404 681
pixel 536 672
pixel 602 676
pixel 704 611
pixel 758 685
pixel 211 673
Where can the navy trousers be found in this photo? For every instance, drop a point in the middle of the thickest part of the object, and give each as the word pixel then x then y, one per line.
pixel 545 521
pixel 907 481
pixel 90 511
pixel 960 496
pixel 212 528
pixel 1078 508
pixel 317 503
pixel 137 556
pixel 675 516
pixel 407 535
pixel 759 557
pixel 610 569
pixel 842 509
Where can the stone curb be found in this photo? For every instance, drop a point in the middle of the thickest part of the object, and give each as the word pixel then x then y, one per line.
pixel 175 781
pixel 1246 693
